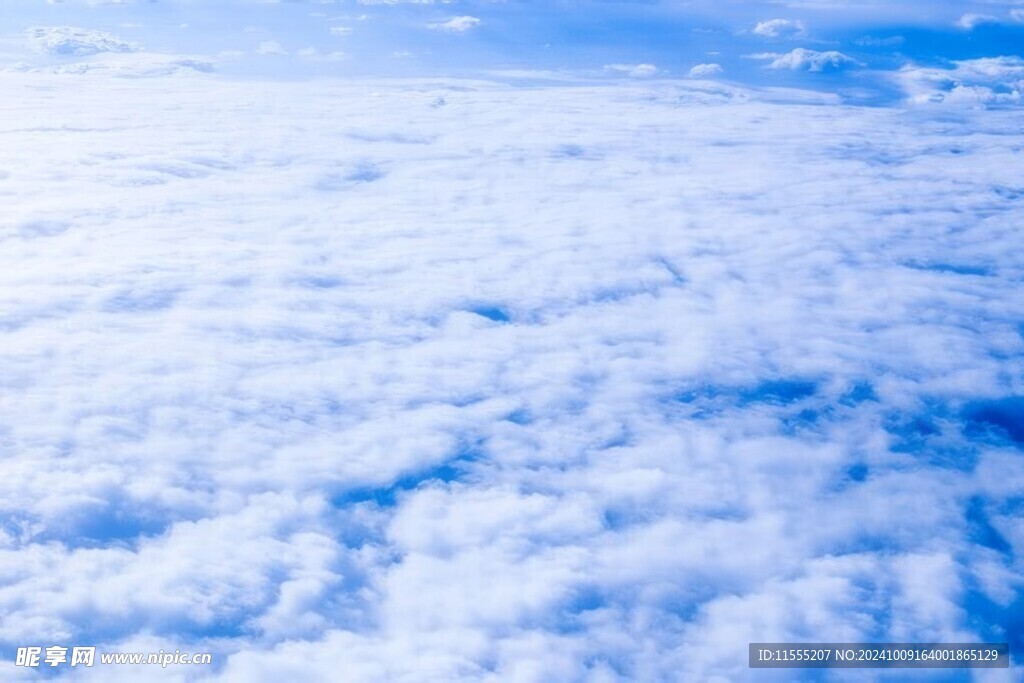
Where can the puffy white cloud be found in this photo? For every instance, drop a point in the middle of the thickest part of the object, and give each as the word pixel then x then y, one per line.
pixel 461 380
pixel 780 28
pixel 980 95
pixel 104 54
pixel 974 82
pixel 809 60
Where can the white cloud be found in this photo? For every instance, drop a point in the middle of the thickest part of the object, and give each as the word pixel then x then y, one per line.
pixel 705 70
pixel 780 28
pixel 809 60
pixel 271 47
pixel 634 70
pixel 339 383
pixel 975 82
pixel 457 24
pixel 67 41
pixel 142 65
pixel 981 95
pixel 972 21
pixel 127 63
pixel 874 41
pixel 314 55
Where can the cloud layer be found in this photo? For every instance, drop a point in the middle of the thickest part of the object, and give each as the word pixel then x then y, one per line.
pixel 459 380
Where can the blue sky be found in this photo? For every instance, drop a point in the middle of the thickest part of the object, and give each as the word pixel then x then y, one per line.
pixel 509 341
pixel 283 39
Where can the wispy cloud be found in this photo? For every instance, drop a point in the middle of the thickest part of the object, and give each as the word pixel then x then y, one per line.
pixel 634 70
pixel 271 47
pixel 705 70
pixel 972 21
pixel 457 24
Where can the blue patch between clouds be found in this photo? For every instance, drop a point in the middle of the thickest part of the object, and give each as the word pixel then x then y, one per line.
pixel 804 419
pixel 319 282
pixel 868 154
pixel 364 173
pixel 980 527
pixel 118 522
pixel 176 170
pixel 569 617
pixel 922 435
pixel 586 600
pixel 492 313
pixel 221 628
pixel 701 393
pixel 1010 193
pixel 677 276
pixel 616 520
pixel 850 476
pixel 954 268
pixel 32 229
pixel 359 174
pixel 521 417
pixel 778 392
pixel 140 301
pixel 994 622
pixel 1012 506
pixel 911 432
pixel 387 496
pixel 998 419
pixel 569 152
pixel 859 393
pixel 710 400
pixel 858 472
